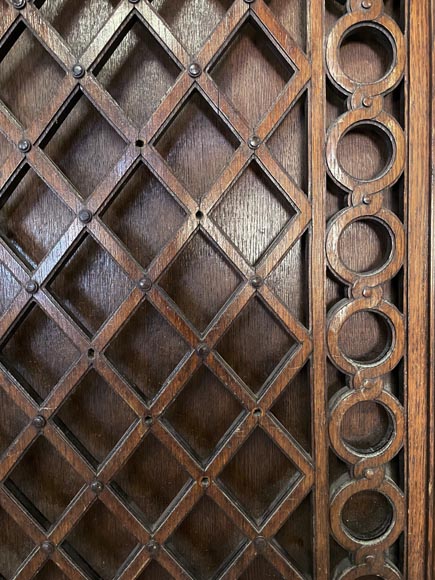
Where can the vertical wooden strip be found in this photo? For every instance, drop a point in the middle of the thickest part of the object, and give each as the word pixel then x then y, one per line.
pixel 317 279
pixel 431 439
pixel 418 295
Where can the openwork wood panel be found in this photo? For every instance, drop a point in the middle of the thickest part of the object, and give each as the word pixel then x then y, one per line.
pixel 204 250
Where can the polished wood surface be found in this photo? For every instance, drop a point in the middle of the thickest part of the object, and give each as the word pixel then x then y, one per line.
pixel 216 318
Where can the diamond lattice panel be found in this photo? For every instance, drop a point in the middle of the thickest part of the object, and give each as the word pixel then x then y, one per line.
pixel 154 338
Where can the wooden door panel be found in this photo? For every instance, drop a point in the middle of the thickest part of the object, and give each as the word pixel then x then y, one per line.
pixel 214 301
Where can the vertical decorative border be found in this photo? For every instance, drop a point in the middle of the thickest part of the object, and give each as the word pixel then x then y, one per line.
pixel 317 286
pixel 431 437
pixel 419 134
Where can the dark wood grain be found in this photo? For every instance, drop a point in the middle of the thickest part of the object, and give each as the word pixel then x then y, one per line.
pixel 221 368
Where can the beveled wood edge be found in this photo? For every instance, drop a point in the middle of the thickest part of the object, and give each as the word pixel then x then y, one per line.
pixel 418 298
pixel 431 437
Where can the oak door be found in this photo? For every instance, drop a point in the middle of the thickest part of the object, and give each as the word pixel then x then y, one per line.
pixel 214 222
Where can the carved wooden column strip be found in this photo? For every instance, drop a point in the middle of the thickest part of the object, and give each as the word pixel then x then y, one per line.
pixel 318 272
pixel 369 471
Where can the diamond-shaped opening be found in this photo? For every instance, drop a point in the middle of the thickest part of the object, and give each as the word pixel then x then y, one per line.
pixel 147 350
pixel 8 289
pixel 293 408
pixel 245 349
pixel 188 280
pixel 137 62
pixel 289 279
pixel 296 537
pixel 50 572
pixel 94 418
pixel 82 133
pixel 12 421
pixel 150 481
pixel 206 540
pixel 155 572
pixel 203 413
pixel 259 475
pixel 83 283
pixel 33 218
pixel 44 482
pixel 29 76
pixel 28 353
pixel 77 22
pixel 201 16
pixel 251 60
pixel 293 15
pixel 99 543
pixel 262 569
pixel 135 215
pixel 253 212
pixel 15 545
pixel 197 145
pixel 289 143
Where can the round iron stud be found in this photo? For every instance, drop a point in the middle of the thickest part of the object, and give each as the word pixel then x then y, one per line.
pixel 254 142
pixel 202 350
pixel 145 284
pixel 256 281
pixel 78 71
pixel 31 286
pixel 194 70
pixel 47 547
pixel 85 216
pixel 39 422
pixel 18 4
pixel 24 145
pixel 97 486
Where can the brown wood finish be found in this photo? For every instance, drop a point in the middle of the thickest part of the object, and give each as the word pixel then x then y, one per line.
pixel 215 304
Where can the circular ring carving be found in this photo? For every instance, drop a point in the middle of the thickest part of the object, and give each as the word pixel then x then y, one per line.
pixel 395 231
pixel 342 403
pixel 342 312
pixel 363 19
pixel 393 132
pixel 350 488
pixel 383 570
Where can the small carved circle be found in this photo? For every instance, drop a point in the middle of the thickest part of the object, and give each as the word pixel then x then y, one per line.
pixel 366 4
pixel 139 143
pixel 254 142
pixel 39 422
pixel 148 420
pixel 91 353
pixel 145 283
pixel 249 1
pixel 257 412
pixel 367 102
pixel 134 1
pixel 367 292
pixel 367 200
pixel 31 286
pixel 194 70
pixel 24 145
pixel 85 216
pixel 199 215
pixel 78 71
pixel 97 486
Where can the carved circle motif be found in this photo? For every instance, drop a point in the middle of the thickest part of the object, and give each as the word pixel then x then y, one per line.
pixel 367 471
